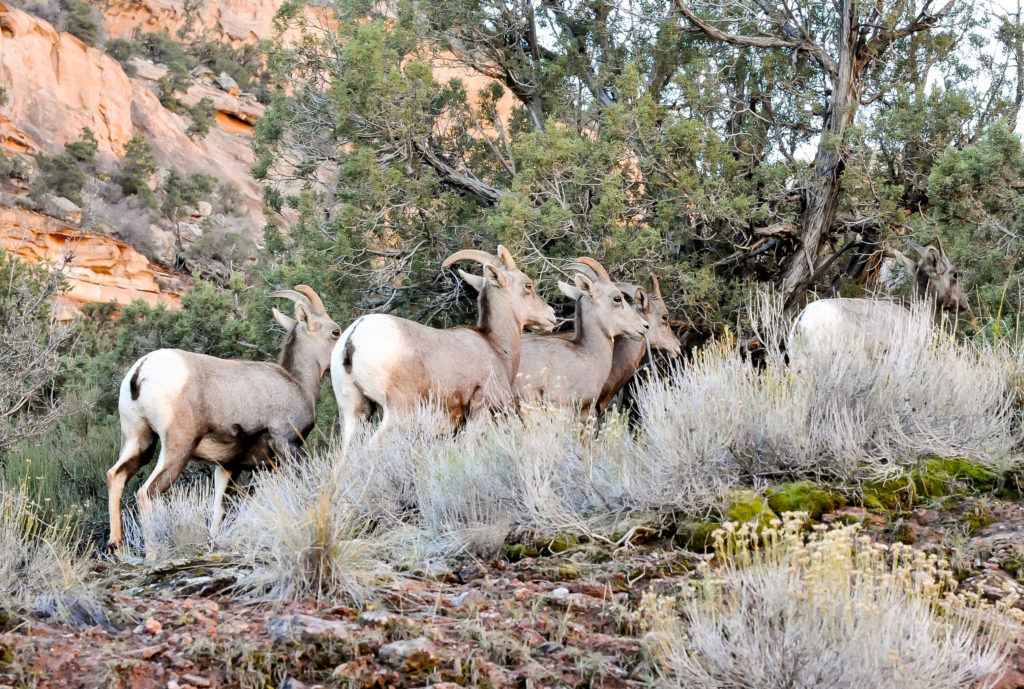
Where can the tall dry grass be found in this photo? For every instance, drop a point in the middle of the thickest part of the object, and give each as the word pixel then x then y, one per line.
pixel 786 609
pixel 329 525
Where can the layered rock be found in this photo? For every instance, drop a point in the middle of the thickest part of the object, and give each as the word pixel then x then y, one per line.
pixel 56 85
pixel 101 269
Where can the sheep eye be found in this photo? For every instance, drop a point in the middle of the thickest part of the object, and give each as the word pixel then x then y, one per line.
pixel 664 318
pixel 529 287
pixel 617 300
pixel 336 333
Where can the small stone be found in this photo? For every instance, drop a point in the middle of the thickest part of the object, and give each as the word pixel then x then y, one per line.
pixel 410 655
pixel 470 599
pixel 472 572
pixel 196 680
pixel 560 592
pixel 204 208
pixel 377 618
pixel 151 626
pixel 189 232
pixel 61 208
pixel 226 83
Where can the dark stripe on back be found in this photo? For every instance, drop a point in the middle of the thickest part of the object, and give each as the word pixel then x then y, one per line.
pixel 347 354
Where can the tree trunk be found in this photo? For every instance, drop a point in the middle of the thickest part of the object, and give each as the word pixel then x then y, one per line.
pixel 823 195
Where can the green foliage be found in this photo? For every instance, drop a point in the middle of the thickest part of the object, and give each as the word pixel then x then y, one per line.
pixel 137 167
pixel 61 175
pixel 203 115
pixel 168 86
pixel 81 21
pixel 122 49
pixel 12 168
pixel 803 496
pixel 181 190
pixel 83 150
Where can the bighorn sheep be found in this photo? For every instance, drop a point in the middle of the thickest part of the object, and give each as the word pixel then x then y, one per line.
pixel 394 363
pixel 627 353
pixel 233 414
pixel 936 281
pixel 572 370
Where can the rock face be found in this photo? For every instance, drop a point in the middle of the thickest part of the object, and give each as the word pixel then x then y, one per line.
pixel 56 85
pixel 231 21
pixel 102 269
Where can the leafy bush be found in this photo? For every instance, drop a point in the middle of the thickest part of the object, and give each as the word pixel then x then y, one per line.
pixel 796 611
pixel 203 116
pixel 122 50
pixel 61 175
pixel 181 190
pixel 83 150
pixel 81 21
pixel 11 168
pixel 31 343
pixel 137 167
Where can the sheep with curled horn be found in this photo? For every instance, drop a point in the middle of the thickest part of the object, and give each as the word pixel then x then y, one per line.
pixel 233 414
pixel 392 363
pixel 628 353
pixel 935 282
pixel 572 370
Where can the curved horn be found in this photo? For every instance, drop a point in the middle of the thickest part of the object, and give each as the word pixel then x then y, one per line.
pixel 938 241
pixel 314 298
pixel 297 297
pixel 472 255
pixel 595 266
pixel 628 288
pixel 657 287
pixel 506 256
pixel 918 248
pixel 583 268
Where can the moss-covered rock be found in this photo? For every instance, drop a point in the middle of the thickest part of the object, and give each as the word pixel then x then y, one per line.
pixel 892 494
pixel 698 536
pixel 803 496
pixel 748 506
pixel 938 476
pixel 518 551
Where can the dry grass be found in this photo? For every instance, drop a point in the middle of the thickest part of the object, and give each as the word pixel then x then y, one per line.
pixel 44 568
pixel 787 609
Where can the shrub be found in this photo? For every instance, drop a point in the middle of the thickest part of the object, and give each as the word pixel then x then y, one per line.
pixel 181 190
pixel 61 175
pixel 788 610
pixel 137 167
pixel 121 50
pixel 203 115
pixel 81 21
pixel 11 168
pixel 83 150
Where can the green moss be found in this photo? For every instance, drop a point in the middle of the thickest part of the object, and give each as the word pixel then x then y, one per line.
pixel 977 518
pixel 938 476
pixel 567 572
pixel 892 494
pixel 748 506
pixel 519 551
pixel 560 544
pixel 699 536
pixel 803 496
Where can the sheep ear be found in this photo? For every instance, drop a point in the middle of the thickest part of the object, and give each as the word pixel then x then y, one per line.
pixel 477 282
pixel 286 322
pixel 585 284
pixel 570 291
pixel 640 297
pixel 908 263
pixel 304 315
pixel 496 275
pixel 937 260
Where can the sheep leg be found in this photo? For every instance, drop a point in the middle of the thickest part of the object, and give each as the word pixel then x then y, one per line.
pixel 137 446
pixel 355 408
pixel 222 479
pixel 174 456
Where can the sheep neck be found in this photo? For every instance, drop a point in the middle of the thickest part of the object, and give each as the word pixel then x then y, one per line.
pixel 626 357
pixel 498 322
pixel 589 337
pixel 301 365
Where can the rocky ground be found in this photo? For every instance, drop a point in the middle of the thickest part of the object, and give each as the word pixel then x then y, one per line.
pixel 568 619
